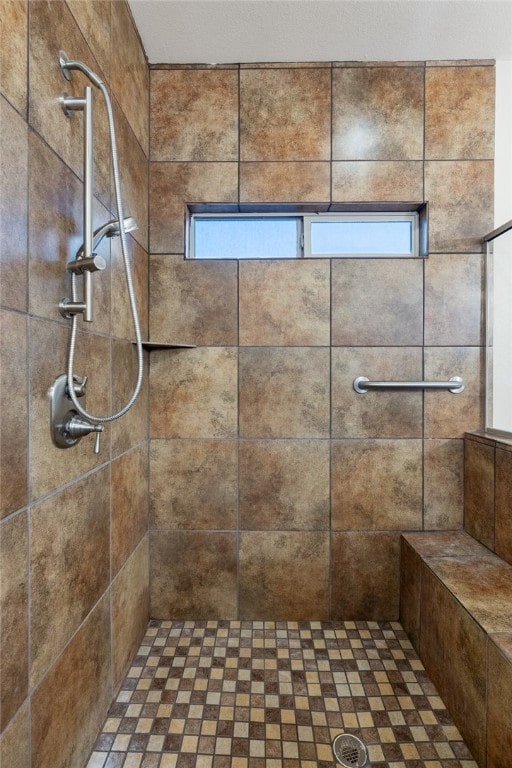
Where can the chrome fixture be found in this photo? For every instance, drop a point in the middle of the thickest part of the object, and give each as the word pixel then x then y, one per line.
pixel 69 419
pixel 454 385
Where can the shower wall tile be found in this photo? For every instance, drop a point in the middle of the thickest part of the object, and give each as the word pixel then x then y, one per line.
pixel 94 22
pixel 377 113
pixel 13 33
pixel 13 206
pixel 382 180
pixel 173 185
pixel 284 484
pixel 129 74
pixel 70 541
pixel 410 592
pixel 284 574
pixel 130 609
pixel 194 114
pixel 132 428
pixel 133 168
pixel 203 493
pixel 13 404
pixel 377 302
pixel 193 573
pixel 459 113
pixel 15 741
pixel 122 322
pixel 194 393
pixel 51 467
pixel 193 302
pixel 129 510
pixel 284 392
pixel 284 303
pixel 66 718
pixel 446 414
pixel 14 619
pixel 285 182
pixel 285 114
pixel 49 30
pixel 454 311
pixel 55 222
pixel 435 600
pixel 443 484
pixel 479 486
pixel 375 414
pixel 460 195
pixel 365 570
pixel 392 466
pixel 499 685
pixel 503 505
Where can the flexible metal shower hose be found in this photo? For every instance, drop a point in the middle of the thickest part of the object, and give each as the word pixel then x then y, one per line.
pixel 131 292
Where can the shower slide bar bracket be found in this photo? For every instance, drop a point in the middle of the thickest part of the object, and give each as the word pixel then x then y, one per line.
pixel 455 385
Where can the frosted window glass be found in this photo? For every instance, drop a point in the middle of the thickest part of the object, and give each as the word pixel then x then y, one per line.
pixel 361 237
pixel 240 238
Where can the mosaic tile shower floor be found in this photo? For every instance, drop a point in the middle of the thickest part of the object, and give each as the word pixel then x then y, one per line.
pixel 230 694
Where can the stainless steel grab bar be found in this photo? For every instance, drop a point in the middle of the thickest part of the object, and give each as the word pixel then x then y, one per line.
pixel 454 385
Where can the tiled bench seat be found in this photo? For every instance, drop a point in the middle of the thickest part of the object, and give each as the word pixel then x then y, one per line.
pixel 456 606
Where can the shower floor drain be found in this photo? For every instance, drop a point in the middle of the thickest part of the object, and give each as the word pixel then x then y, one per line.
pixel 349 751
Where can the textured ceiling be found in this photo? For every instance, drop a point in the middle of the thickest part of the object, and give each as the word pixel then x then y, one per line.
pixel 232 31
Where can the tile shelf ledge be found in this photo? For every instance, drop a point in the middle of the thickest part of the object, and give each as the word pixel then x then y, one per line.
pixel 150 345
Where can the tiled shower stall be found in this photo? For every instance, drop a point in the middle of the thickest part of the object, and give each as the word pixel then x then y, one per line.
pixel 250 481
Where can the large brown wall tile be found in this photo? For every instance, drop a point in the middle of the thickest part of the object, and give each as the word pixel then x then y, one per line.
pixel 503 504
pixel 14 621
pixel 15 741
pixel 375 414
pixel 193 302
pixel 194 114
pixel 129 72
pixel 194 484
pixel 435 601
pixel 13 205
pixel 499 713
pixel 479 491
pixel 70 542
pixel 284 484
pixel 410 592
pixel 285 182
pixel 52 27
pixel 129 510
pixel 194 393
pixel 13 403
pixel 173 185
pixel 285 114
pixel 193 574
pixel 284 392
pixel 359 467
pixel 460 195
pixel 132 428
pixel 443 468
pixel 454 300
pixel 284 575
pixel 13 33
pixel 94 22
pixel 362 181
pixel 377 113
pixel 66 718
pixel 448 414
pixel 122 321
pixel 459 113
pixel 365 576
pixel 284 303
pixel 377 302
pixel 130 609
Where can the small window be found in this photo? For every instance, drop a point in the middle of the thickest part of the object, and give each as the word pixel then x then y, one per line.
pixel 305 235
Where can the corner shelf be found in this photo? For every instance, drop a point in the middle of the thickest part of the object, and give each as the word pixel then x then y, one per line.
pixel 149 345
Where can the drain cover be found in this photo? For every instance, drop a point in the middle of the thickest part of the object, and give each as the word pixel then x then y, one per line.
pixel 349 751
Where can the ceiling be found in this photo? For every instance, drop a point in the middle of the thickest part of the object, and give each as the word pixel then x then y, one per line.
pixel 235 31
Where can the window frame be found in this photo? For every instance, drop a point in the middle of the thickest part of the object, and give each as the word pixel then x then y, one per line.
pixel 416 213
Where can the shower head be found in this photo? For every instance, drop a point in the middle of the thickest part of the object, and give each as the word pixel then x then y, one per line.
pixel 66 65
pixel 110 229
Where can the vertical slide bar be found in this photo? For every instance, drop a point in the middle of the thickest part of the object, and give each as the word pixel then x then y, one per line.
pixel 88 201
